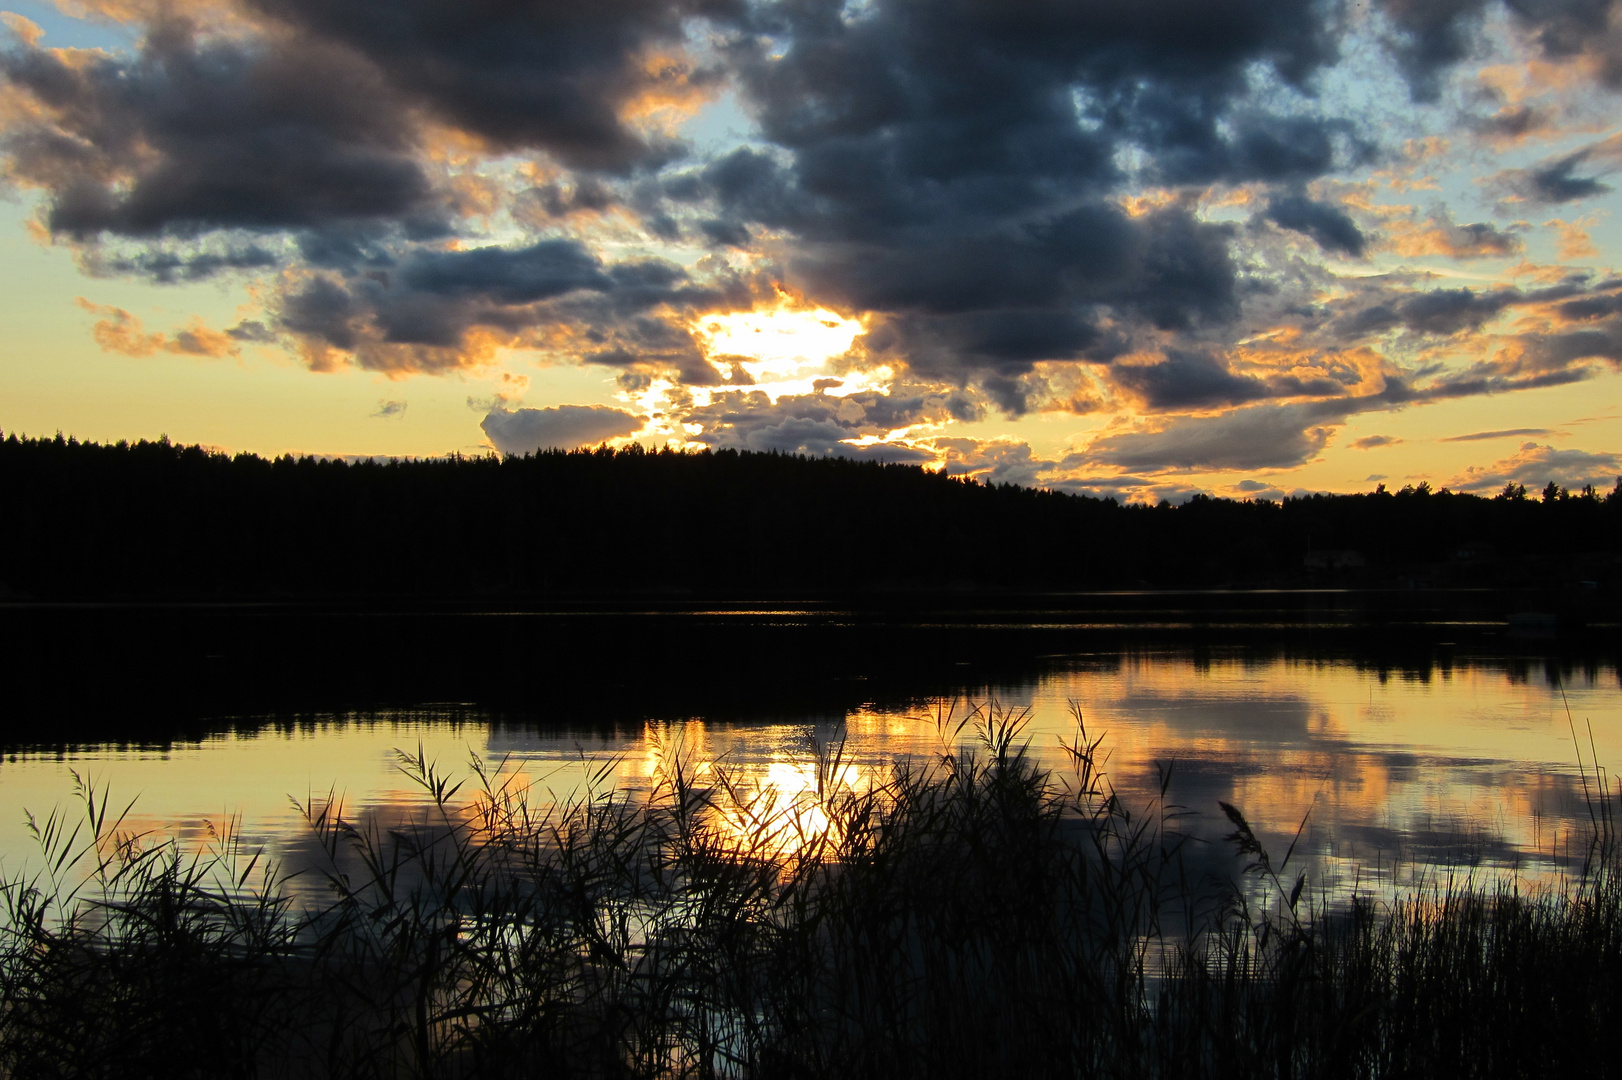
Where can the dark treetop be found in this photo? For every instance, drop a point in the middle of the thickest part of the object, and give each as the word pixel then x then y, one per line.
pixel 154 520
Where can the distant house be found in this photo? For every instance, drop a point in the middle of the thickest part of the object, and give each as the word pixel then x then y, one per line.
pixel 1334 559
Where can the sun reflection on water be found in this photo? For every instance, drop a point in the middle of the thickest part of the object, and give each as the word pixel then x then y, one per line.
pixel 1474 769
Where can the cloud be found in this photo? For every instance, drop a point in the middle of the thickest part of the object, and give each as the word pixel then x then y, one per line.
pixel 564 427
pixel 1022 204
pixel 193 134
pixel 1480 436
pixel 1561 330
pixel 303 140
pixel 1447 311
pixel 1184 380
pixel 1431 36
pixel 932 171
pixel 1331 227
pixel 120 331
pixel 1441 312
pixel 1535 466
pixel 999 300
pixel 993 461
pixel 1283 435
pixel 814 438
pixel 1129 489
pixel 389 410
pixel 1601 340
pixel 1374 442
pixel 314 115
pixel 525 76
pixel 1556 181
pixel 1514 123
pixel 1575 241
pixel 1257 437
pixel 1259 490
pixel 251 330
pixel 438 310
pixel 1441 235
pixel 857 425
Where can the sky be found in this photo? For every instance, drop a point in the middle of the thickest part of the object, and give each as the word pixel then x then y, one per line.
pixel 1144 250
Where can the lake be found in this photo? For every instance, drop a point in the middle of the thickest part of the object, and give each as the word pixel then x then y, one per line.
pixel 1417 735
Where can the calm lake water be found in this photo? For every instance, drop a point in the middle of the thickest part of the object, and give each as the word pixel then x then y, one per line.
pixel 1420 743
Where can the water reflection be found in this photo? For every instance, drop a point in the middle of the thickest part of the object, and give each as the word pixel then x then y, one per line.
pixel 1469 767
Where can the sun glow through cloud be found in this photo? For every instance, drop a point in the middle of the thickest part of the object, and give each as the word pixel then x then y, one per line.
pixel 781 351
pixel 787 350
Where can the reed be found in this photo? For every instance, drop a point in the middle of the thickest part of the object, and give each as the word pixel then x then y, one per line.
pixel 972 915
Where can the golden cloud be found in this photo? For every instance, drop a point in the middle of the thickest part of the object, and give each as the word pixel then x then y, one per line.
pixel 120 331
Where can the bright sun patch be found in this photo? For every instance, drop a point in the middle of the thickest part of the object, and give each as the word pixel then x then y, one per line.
pixel 786 350
pixel 780 341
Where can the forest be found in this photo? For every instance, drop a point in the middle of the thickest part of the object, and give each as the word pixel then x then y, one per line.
pixel 154 520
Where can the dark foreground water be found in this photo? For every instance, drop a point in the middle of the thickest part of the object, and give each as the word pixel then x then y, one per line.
pixel 1417 734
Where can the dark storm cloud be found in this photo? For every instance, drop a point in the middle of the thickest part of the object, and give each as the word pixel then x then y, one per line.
pixel 995 303
pixel 192 135
pixel 432 299
pixel 507 276
pixel 311 124
pixel 947 81
pixel 1330 226
pixel 1431 36
pixel 1591 307
pixel 588 195
pixel 552 76
pixel 1189 380
pixel 1373 319
pixel 1166 268
pixel 1447 311
pixel 321 309
pixel 1438 312
pixel 1557 351
pixel 1262 148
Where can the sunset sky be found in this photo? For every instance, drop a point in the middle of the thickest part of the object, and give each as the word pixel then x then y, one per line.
pixel 1144 249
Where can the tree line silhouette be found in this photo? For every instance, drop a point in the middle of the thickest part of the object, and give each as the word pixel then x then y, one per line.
pixel 156 520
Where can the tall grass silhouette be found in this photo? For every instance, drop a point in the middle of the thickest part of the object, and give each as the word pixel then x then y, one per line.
pixel 969 915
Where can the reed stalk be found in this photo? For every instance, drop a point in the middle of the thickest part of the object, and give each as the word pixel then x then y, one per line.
pixel 969 915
